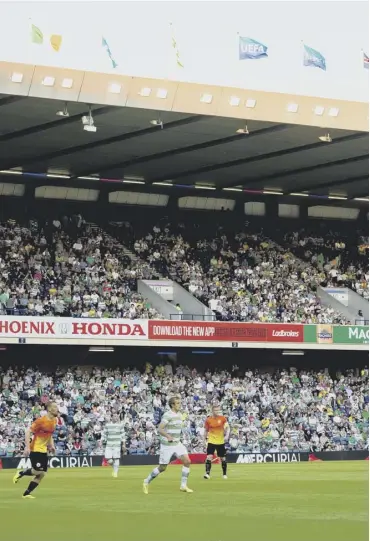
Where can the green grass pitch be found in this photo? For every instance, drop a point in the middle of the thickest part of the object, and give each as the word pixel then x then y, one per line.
pixel 265 502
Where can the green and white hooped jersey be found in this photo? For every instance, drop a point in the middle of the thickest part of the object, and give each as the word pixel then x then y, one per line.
pixel 115 435
pixel 173 425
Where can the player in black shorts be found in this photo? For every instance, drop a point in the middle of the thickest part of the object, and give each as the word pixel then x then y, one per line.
pixel 37 449
pixel 216 449
pixel 216 432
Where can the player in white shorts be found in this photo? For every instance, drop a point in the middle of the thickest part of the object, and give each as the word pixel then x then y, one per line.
pixel 170 431
pixel 115 441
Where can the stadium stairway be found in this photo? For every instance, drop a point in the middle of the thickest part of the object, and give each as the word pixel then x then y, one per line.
pixel 126 252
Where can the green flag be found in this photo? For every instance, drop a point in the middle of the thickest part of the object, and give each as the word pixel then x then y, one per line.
pixel 175 48
pixel 36 35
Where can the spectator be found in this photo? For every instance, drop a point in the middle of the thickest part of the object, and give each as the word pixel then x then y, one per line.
pixel 68 271
pixel 286 410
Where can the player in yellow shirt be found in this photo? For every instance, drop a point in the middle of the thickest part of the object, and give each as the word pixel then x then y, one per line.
pixel 216 433
pixel 42 442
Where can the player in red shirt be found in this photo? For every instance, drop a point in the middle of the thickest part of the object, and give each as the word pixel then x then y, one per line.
pixel 42 442
pixel 216 433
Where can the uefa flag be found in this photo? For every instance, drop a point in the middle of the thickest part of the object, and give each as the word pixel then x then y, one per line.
pixel 365 60
pixel 313 58
pixel 251 49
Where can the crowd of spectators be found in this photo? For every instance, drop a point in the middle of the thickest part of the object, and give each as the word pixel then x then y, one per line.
pixel 341 260
pixel 285 410
pixel 68 268
pixel 242 276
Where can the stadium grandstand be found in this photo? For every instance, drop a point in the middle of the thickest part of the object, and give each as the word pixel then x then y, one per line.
pixel 182 217
pixel 155 243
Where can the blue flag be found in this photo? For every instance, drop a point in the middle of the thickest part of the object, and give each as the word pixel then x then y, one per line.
pixel 251 49
pixel 313 58
pixel 106 47
pixel 365 60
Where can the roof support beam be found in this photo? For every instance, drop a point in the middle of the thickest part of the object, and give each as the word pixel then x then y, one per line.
pixel 48 126
pixel 293 172
pixel 101 143
pixel 329 184
pixel 179 151
pixel 253 159
pixel 8 100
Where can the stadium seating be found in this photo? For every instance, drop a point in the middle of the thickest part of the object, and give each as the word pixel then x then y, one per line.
pixel 68 269
pixel 285 410
pixel 243 276
pixel 342 259
pixel 71 268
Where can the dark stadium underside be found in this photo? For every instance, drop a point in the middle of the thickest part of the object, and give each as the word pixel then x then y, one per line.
pixel 47 357
pixel 187 150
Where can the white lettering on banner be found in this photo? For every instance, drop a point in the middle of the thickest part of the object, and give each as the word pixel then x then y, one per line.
pixel 60 462
pixel 24 463
pixel 180 330
pixel 252 458
pixel 285 333
pixel 39 327
pixel 252 48
pixel 358 334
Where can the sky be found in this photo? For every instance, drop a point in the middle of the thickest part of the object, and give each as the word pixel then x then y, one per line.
pixel 139 36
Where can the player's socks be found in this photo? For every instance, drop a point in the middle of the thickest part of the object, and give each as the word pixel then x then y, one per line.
pixel 19 476
pixel 184 476
pixel 31 488
pixel 115 468
pixel 208 466
pixel 224 467
pixel 152 476
pixel 28 471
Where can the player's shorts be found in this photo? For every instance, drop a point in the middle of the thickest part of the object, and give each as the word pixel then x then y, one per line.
pixel 39 461
pixel 112 452
pixel 166 452
pixel 212 448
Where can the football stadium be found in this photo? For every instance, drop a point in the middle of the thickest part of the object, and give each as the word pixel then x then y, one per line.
pixel 184 286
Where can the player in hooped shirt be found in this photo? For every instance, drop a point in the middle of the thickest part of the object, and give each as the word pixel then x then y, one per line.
pixel 216 433
pixel 170 433
pixel 114 435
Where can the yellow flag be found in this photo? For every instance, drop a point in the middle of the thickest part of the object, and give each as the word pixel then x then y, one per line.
pixel 56 42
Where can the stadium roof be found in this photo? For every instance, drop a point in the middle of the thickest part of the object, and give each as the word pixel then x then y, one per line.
pixel 186 150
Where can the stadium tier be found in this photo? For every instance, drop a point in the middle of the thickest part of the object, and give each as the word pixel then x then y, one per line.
pixel 68 270
pixel 67 267
pixel 252 274
pixel 284 410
